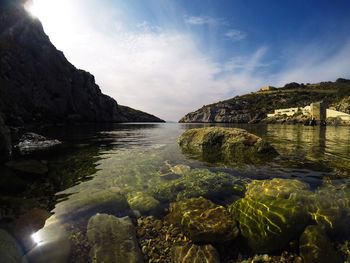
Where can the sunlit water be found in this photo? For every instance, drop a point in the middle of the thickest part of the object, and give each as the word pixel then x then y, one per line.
pixel 99 167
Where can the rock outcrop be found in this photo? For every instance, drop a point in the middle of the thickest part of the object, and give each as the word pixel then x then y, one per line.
pixel 39 85
pixel 254 107
pixel 113 239
pixel 225 144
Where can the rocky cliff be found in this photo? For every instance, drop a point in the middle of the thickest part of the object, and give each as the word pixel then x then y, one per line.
pixel 38 85
pixel 254 107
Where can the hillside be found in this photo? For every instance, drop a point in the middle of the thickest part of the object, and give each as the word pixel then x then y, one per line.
pixel 254 107
pixel 39 86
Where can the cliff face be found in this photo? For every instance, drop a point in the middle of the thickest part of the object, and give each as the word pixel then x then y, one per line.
pixel 38 84
pixel 254 107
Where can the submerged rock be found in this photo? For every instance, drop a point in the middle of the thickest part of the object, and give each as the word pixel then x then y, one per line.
pixel 198 182
pixel 193 253
pixel 29 166
pixel 290 189
pixel 32 142
pixel 112 239
pixel 143 202
pixel 226 144
pixel 268 223
pixel 180 169
pixel 10 251
pixel 330 209
pixel 203 221
pixel 315 247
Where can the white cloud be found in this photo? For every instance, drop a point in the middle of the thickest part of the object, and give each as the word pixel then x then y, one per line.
pixel 204 20
pixel 163 72
pixel 235 34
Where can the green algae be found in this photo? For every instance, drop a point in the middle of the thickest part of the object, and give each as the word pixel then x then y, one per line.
pixel 197 182
pixel 267 223
pixel 203 221
pixel 226 144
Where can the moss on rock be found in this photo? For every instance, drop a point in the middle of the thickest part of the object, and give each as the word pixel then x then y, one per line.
pixel 203 221
pixel 197 182
pixel 268 223
pixel 226 144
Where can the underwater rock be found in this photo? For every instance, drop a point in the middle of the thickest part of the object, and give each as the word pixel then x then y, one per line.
pixel 180 169
pixel 10 251
pixel 32 142
pixel 291 189
pixel 226 144
pixel 198 182
pixel 203 221
pixel 193 253
pixel 84 204
pixel 29 223
pixel 315 247
pixel 330 209
pixel 29 166
pixel 112 239
pixel 143 202
pixel 268 223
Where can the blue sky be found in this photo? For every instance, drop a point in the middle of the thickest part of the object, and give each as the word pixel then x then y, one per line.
pixel 171 57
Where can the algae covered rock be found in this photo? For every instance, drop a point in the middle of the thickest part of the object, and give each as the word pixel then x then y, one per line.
pixel 198 182
pixel 330 209
pixel 193 253
pixel 291 189
pixel 112 239
pixel 267 223
pixel 203 221
pixel 143 202
pixel 315 247
pixel 225 144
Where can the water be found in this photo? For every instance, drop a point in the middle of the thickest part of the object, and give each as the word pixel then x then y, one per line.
pixel 99 168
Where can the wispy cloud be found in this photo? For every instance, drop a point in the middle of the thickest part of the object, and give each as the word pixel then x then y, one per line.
pixel 204 20
pixel 164 72
pixel 235 34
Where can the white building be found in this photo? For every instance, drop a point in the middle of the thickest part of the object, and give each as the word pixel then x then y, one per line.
pixel 307 111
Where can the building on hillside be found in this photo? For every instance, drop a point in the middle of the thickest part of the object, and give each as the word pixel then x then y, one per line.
pixel 267 88
pixel 337 114
pixel 317 111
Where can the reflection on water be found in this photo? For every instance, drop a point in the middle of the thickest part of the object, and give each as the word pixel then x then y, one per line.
pixel 102 169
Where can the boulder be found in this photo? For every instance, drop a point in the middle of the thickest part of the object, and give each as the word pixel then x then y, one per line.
pixel 143 202
pixel 113 239
pixel 5 141
pixel 32 142
pixel 203 221
pixel 10 251
pixel 192 253
pixel 268 223
pixel 195 183
pixel 226 144
pixel 315 247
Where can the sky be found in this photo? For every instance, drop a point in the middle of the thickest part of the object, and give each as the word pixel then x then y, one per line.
pixel 171 57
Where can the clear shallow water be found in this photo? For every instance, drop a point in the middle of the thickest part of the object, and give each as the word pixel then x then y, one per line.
pixel 101 167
